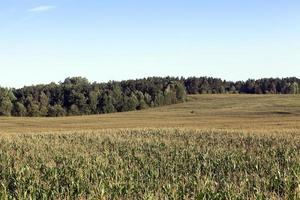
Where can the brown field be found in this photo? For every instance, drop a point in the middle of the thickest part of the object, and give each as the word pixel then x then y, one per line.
pixel 257 113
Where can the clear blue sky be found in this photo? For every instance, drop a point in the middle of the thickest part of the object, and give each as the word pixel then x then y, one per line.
pixel 48 40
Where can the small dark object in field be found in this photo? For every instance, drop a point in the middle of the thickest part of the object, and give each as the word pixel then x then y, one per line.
pixel 282 113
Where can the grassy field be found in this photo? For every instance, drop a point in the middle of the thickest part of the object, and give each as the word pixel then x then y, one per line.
pixel 211 147
pixel 230 112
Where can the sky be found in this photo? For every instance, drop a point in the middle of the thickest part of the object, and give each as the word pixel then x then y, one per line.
pixel 49 40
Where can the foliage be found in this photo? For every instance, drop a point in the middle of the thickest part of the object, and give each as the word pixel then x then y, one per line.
pixel 204 85
pixel 19 110
pixel 295 88
pixel 77 96
pixel 56 111
pixel 6 98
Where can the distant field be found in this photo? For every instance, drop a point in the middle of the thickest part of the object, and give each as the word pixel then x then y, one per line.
pixel 234 112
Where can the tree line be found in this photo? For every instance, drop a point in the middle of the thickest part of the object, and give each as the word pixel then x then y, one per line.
pixel 77 96
pixel 208 85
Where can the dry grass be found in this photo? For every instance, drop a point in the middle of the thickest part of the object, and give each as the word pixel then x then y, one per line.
pixel 257 113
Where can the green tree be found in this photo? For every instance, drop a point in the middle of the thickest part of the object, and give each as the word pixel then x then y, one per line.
pixel 32 106
pixel 6 99
pixel 159 99
pixel 34 110
pixel 131 102
pixel 44 103
pixel 93 101
pixel 205 87
pixel 148 99
pixel 295 88
pixel 19 110
pixel 5 107
pixel 56 111
pixel 78 99
pixel 106 104
pixel 117 96
pixel 180 93
pixel 222 89
pixel 74 110
pixel 142 103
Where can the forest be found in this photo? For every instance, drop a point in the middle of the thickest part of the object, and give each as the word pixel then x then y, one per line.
pixel 78 96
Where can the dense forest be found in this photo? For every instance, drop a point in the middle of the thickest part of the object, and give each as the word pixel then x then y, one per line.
pixel 207 85
pixel 77 96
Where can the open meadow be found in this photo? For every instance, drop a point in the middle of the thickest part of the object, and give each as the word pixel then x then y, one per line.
pixel 230 112
pixel 211 147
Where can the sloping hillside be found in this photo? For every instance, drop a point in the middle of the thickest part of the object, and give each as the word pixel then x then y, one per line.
pixel 247 112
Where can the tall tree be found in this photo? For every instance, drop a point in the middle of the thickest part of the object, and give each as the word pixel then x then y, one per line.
pixel 180 93
pixel 56 111
pixel 6 101
pixel 106 104
pixel 295 88
pixel 19 110
pixel 44 103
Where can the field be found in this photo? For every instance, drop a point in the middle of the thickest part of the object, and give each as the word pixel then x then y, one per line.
pixel 230 112
pixel 211 147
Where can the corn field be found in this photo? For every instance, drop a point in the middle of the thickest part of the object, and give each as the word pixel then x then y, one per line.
pixel 150 164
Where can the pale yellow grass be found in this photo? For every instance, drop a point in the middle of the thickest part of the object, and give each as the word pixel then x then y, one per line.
pixel 257 113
